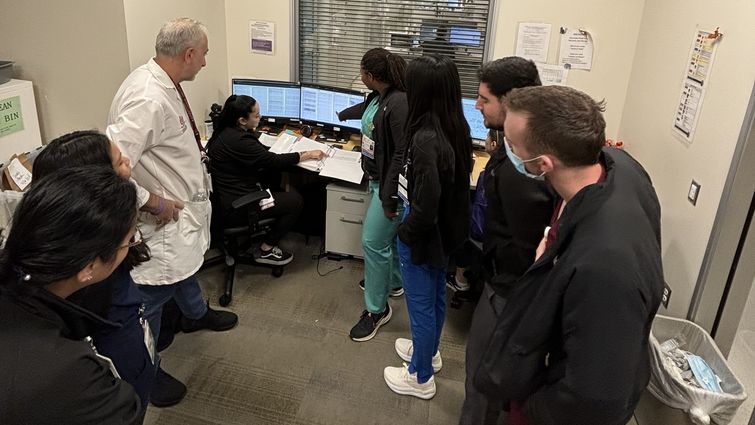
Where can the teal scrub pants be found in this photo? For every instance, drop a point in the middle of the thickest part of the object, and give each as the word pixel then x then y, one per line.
pixel 381 266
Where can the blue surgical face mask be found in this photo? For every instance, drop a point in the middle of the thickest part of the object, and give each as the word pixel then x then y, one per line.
pixel 519 162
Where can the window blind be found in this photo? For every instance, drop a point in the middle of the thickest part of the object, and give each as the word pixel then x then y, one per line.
pixel 334 34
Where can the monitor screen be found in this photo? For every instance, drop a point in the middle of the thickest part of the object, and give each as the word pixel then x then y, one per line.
pixel 474 118
pixel 321 104
pixel 428 30
pixel 277 99
pixel 466 36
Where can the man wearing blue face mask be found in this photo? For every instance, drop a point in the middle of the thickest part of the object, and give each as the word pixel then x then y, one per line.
pixel 518 209
pixel 570 348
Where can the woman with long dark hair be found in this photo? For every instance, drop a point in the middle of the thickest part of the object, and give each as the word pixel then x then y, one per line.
pixel 71 230
pixel 434 185
pixel 383 116
pixel 116 298
pixel 239 162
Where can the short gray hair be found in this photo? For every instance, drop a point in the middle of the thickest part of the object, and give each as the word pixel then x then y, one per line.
pixel 178 35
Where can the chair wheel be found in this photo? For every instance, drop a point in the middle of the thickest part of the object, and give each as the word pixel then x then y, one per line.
pixel 277 271
pixel 224 300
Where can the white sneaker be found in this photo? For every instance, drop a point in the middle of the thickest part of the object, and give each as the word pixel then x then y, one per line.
pixel 405 348
pixel 400 381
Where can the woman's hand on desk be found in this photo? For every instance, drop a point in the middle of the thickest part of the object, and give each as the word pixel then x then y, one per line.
pixel 307 155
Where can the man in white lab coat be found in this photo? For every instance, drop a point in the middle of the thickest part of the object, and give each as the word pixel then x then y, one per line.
pixel 151 122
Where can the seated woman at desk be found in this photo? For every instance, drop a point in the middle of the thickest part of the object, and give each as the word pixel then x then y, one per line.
pixel 70 231
pixel 239 162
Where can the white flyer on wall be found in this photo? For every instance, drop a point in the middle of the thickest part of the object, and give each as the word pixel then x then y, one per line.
pixel 533 40
pixel 698 67
pixel 262 37
pixel 576 48
pixel 551 75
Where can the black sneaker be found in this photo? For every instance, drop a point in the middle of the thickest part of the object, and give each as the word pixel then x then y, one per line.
pixel 167 390
pixel 214 320
pixel 369 324
pixel 275 257
pixel 395 293
pixel 455 285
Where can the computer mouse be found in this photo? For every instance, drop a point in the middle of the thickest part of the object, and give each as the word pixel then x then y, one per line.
pixel 356 148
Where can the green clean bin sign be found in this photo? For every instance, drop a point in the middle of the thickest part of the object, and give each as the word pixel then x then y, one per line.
pixel 11 117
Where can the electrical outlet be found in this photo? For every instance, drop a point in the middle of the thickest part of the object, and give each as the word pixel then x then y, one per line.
pixel 694 192
pixel 666 294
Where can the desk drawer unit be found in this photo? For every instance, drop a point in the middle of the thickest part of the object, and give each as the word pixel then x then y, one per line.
pixel 347 206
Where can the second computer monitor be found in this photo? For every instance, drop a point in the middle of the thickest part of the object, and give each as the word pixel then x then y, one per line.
pixel 476 123
pixel 277 99
pixel 321 105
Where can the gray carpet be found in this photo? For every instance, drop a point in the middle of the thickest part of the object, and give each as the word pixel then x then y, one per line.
pixel 290 360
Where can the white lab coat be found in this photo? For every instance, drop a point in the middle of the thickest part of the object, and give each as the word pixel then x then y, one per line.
pixel 149 124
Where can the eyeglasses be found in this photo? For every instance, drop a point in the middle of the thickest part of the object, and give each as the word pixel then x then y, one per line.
pixel 135 240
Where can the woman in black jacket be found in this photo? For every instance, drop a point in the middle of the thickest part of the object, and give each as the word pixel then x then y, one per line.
pixel 70 231
pixel 435 188
pixel 383 117
pixel 241 164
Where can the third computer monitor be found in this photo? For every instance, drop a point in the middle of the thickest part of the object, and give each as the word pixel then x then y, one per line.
pixel 476 123
pixel 277 99
pixel 321 105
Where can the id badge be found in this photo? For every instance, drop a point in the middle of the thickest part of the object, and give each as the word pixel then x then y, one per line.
pixel 403 192
pixel 110 365
pixel 368 147
pixel 149 340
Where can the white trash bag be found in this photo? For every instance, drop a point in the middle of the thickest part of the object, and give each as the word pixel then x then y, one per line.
pixel 703 406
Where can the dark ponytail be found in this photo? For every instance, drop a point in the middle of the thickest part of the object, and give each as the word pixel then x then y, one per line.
pixel 385 66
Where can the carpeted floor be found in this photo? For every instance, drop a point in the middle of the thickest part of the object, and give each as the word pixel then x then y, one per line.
pixel 290 360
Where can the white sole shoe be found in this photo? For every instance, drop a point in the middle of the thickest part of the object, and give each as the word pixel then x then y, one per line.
pixel 400 381
pixel 405 349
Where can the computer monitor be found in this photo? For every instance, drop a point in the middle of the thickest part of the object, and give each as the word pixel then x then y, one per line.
pixel 465 36
pixel 321 105
pixel 476 123
pixel 277 99
pixel 428 30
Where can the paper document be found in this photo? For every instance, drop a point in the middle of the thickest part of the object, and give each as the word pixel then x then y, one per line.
pixel 267 139
pixel 533 40
pixel 337 164
pixel 552 74
pixel 343 165
pixel 576 48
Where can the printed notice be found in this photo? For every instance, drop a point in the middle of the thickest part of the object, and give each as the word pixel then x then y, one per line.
pixel 262 37
pixel 11 117
pixel 533 40
pixel 576 49
pixel 696 74
pixel 20 175
pixel 552 74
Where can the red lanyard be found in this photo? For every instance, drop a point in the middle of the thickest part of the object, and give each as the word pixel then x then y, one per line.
pixel 191 117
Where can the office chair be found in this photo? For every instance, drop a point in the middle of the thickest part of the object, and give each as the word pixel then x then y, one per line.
pixel 229 239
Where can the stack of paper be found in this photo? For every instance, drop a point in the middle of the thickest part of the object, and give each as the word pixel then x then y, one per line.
pixel 337 164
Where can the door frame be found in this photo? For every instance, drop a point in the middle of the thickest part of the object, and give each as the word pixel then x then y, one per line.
pixel 717 305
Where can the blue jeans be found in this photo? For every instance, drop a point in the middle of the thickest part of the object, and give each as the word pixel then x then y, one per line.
pixel 188 296
pixel 425 291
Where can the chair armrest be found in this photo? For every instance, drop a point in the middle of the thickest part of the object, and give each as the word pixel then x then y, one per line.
pixel 249 198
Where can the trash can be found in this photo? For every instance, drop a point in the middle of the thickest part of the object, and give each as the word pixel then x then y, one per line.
pixel 6 71
pixel 704 407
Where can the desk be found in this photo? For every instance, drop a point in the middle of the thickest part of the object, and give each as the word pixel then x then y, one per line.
pixel 481 159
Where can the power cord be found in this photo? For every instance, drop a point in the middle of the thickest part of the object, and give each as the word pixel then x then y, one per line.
pixel 319 257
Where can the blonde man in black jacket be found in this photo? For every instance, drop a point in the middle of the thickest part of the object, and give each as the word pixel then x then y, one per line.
pixel 571 345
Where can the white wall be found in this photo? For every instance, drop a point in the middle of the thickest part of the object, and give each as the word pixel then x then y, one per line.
pixel 614 26
pixel 143 21
pixel 75 54
pixel 241 62
pixel 654 89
